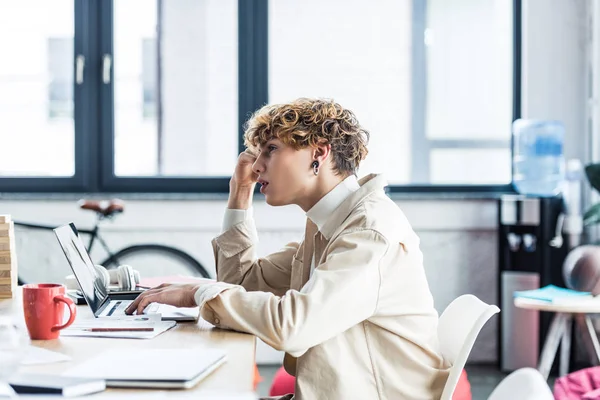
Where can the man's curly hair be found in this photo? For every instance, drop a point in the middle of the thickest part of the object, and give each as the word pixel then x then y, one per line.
pixel 311 122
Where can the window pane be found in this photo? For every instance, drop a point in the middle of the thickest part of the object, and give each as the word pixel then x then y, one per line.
pixel 36 88
pixel 469 69
pixel 360 53
pixel 356 52
pixel 475 166
pixel 176 105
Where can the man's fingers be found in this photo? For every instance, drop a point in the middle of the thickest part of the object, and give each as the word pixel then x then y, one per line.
pixel 143 304
pixel 131 308
pixel 247 157
pixel 134 304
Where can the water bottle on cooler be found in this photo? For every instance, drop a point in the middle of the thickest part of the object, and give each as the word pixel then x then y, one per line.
pixel 538 159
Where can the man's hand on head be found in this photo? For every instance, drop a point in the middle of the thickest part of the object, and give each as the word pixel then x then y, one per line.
pixel 242 182
pixel 243 175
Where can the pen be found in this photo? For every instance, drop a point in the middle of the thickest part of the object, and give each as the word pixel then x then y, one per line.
pixel 118 329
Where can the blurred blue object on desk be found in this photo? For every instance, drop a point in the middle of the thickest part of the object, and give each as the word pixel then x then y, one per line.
pixel 550 293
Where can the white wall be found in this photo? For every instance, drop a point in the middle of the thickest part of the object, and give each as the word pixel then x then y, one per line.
pixel 554 66
pixel 459 237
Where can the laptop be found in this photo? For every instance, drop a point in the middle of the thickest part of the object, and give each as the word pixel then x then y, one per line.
pixel 101 302
pixel 151 368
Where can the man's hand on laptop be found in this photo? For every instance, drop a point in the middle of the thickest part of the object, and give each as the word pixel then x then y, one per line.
pixel 173 294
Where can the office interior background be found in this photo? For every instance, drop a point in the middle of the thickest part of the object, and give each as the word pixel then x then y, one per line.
pixel 144 100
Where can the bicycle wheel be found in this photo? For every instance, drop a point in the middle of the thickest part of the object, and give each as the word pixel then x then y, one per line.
pixel 157 260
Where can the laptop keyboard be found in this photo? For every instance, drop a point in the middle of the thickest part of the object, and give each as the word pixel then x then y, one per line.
pixel 152 308
pixel 118 308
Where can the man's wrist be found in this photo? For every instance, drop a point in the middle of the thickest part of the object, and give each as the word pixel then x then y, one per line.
pixel 194 290
pixel 240 197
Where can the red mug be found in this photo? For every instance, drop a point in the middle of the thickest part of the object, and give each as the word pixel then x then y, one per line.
pixel 43 305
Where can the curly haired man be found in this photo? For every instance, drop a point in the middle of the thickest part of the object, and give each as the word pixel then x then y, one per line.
pixel 349 303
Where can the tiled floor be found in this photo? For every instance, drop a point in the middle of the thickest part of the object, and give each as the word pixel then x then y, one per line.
pixel 483 379
pixel 266 372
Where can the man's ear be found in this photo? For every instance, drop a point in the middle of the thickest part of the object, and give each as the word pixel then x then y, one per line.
pixel 321 153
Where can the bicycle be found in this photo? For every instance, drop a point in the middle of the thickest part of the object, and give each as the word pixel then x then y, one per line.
pixel 132 255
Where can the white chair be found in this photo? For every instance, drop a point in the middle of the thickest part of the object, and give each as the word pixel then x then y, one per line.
pixel 523 384
pixel 458 328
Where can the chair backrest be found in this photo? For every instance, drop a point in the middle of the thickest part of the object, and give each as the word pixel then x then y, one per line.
pixel 458 328
pixel 524 384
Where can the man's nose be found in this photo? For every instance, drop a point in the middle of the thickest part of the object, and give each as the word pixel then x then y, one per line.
pixel 258 166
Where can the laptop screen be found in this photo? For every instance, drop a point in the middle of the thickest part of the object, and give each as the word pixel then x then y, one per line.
pixel 91 284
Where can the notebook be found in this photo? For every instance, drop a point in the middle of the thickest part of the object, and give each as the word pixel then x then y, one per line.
pixel 550 293
pixel 151 368
pixel 55 384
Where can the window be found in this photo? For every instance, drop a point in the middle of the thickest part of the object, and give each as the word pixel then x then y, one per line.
pixel 60 74
pixel 357 54
pixel 469 93
pixel 151 95
pixel 36 89
pixel 380 61
pixel 193 44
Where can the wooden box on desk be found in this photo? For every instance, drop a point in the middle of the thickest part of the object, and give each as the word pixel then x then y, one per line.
pixel 8 258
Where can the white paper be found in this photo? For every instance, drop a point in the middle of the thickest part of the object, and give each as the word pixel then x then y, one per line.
pixel 137 318
pixel 81 328
pixel 36 355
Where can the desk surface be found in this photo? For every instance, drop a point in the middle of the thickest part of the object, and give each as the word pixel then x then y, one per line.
pixel 584 305
pixel 234 376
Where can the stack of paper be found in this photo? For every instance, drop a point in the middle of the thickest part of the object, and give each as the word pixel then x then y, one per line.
pixel 551 293
pixel 8 258
pixel 133 328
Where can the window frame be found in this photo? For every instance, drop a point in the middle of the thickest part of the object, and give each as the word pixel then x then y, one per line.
pixel 94 113
pixel 252 90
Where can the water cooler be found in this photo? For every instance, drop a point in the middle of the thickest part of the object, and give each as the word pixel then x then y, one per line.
pixel 531 254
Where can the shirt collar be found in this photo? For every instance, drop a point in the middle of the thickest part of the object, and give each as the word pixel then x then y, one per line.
pixel 320 212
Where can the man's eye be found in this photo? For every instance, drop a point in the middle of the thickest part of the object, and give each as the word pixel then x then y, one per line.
pixel 271 148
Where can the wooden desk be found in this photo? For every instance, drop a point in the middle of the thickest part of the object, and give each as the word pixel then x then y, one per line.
pixel 566 311
pixel 236 375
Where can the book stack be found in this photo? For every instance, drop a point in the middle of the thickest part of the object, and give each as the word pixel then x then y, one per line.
pixel 551 293
pixel 8 258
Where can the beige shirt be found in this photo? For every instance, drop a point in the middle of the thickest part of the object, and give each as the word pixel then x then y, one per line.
pixel 318 214
pixel 361 326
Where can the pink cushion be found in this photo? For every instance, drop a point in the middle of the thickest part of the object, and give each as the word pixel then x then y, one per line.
pixel 463 388
pixel 593 395
pixel 283 383
pixel 578 384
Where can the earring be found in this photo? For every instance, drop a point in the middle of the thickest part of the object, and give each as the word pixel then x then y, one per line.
pixel 315 166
